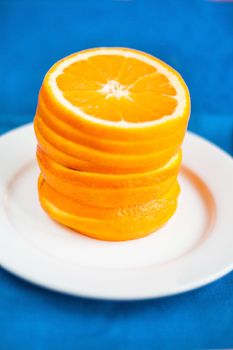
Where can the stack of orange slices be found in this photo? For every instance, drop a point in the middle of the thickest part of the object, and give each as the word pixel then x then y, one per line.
pixel 110 123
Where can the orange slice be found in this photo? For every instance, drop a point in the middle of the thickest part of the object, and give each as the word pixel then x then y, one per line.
pixel 98 158
pixel 98 143
pixel 105 190
pixel 116 94
pixel 75 163
pixel 108 224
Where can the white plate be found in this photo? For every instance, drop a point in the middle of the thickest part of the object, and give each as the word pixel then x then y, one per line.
pixel 193 249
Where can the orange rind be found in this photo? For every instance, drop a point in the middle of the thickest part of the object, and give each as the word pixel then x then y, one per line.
pixel 119 224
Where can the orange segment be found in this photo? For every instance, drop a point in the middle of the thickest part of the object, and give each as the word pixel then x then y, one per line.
pixel 66 82
pixel 155 82
pixel 84 98
pixel 108 69
pixel 132 70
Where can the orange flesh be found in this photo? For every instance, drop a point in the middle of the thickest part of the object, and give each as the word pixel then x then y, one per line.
pixel 124 89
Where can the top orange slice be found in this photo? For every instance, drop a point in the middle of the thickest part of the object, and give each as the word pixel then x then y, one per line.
pixel 116 93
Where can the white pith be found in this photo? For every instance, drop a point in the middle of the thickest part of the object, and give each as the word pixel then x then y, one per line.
pixel 113 88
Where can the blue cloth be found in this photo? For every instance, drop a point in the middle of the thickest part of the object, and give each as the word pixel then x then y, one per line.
pixel 195 37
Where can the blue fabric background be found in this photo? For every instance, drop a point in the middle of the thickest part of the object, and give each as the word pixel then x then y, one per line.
pixel 196 38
